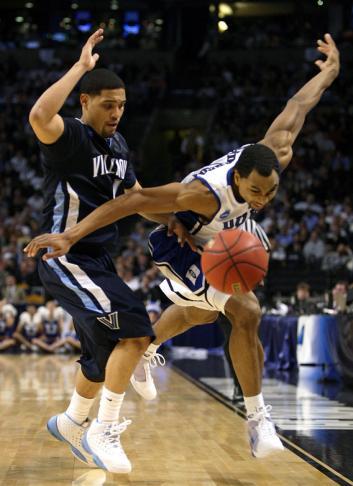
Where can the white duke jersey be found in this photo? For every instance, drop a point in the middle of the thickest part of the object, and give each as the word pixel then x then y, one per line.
pixel 231 213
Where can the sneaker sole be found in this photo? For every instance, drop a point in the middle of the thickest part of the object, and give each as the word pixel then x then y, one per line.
pixel 98 461
pixel 52 427
pixel 137 389
pixel 271 452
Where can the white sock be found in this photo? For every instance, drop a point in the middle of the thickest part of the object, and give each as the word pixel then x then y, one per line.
pixel 109 406
pixel 152 348
pixel 79 408
pixel 254 404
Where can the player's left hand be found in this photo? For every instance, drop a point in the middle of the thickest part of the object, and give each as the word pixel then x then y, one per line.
pixel 177 228
pixel 58 244
pixel 329 49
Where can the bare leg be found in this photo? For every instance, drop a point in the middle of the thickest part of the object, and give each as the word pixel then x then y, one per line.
pixel 86 388
pixel 7 343
pixel 122 362
pixel 174 321
pixel 73 342
pixel 42 345
pixel 244 345
pixel 22 340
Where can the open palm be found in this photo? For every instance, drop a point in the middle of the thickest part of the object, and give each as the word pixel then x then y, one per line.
pixel 87 58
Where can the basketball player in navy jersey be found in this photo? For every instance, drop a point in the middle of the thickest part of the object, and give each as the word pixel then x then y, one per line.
pixel 86 163
pixel 221 195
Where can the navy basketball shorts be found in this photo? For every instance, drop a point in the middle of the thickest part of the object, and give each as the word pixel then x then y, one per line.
pixel 104 309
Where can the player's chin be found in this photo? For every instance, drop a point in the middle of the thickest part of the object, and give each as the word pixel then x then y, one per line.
pixel 257 207
pixel 110 130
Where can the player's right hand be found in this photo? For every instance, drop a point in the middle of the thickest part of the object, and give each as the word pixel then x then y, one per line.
pixel 87 59
pixel 57 244
pixel 329 49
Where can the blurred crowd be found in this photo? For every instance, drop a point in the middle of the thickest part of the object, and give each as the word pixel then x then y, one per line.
pixel 310 222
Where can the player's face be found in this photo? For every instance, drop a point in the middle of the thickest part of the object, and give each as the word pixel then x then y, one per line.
pixel 257 190
pixel 104 111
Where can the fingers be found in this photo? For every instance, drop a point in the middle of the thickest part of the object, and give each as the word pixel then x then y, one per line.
pixel 52 254
pixel 319 63
pixel 43 241
pixel 96 37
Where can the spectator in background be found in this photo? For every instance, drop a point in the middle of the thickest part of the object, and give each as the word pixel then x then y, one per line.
pixel 337 298
pixel 13 293
pixel 314 248
pixel 301 302
pixel 50 320
pixel 8 315
pixel 28 328
pixel 154 310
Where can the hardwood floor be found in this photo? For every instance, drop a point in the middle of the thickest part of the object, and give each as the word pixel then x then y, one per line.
pixel 183 438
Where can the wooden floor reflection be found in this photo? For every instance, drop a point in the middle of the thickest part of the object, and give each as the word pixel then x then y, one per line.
pixel 183 438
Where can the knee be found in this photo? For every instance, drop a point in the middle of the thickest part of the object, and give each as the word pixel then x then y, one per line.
pixel 137 345
pixel 245 315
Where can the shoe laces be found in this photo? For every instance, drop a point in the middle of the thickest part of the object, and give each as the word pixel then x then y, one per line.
pixel 264 422
pixel 113 431
pixel 154 359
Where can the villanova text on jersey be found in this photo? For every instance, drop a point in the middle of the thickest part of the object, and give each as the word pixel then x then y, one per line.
pixel 82 171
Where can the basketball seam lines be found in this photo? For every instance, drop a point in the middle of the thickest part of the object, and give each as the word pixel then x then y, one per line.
pixel 234 263
pixel 216 252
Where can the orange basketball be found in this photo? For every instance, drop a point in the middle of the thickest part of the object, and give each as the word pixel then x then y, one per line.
pixel 234 261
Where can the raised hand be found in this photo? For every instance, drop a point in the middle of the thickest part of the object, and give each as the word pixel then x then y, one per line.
pixel 329 49
pixel 57 244
pixel 87 59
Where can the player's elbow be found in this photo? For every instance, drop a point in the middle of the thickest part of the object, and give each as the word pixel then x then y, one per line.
pixel 36 116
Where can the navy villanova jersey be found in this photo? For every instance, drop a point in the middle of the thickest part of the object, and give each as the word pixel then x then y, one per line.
pixel 82 171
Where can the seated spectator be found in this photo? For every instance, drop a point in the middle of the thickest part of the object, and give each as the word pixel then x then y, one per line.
pixel 154 311
pixel 51 324
pixel 71 339
pixel 28 328
pixel 337 298
pixel 301 302
pixel 7 325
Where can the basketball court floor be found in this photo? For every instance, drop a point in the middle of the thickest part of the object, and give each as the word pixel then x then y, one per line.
pixel 189 436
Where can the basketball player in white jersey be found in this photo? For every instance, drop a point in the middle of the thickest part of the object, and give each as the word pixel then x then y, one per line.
pixel 219 196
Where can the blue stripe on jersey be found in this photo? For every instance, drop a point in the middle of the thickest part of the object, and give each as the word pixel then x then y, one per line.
pixel 86 300
pixel 59 209
pixel 230 173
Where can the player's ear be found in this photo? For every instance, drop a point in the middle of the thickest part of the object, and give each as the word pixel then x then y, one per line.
pixel 84 100
pixel 236 177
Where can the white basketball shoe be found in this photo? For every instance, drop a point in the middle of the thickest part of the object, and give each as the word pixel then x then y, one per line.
pixel 146 387
pixel 63 428
pixel 262 434
pixel 102 440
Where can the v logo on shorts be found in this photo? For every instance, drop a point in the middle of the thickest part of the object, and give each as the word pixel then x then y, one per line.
pixel 111 321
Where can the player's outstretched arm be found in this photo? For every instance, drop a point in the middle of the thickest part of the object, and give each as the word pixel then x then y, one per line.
pixel 163 199
pixel 286 127
pixel 44 119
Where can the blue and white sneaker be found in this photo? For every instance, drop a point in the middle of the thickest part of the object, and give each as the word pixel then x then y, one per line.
pixel 102 440
pixel 262 434
pixel 63 428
